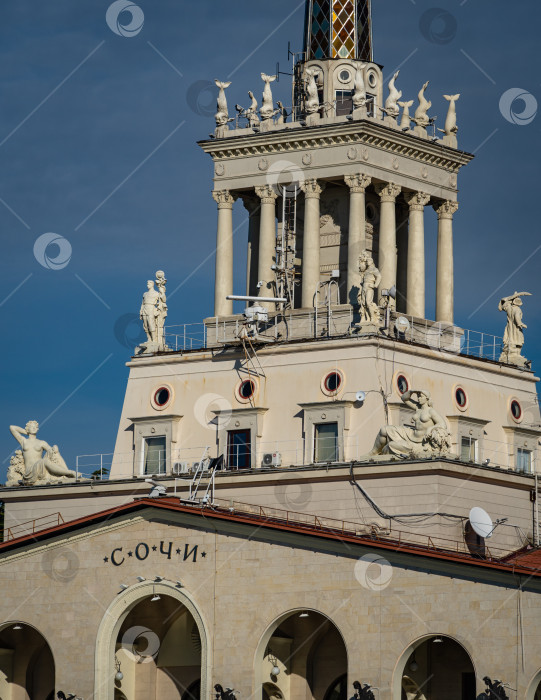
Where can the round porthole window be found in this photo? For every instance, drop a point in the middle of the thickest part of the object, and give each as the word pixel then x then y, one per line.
pixel 161 397
pixel 402 384
pixel 344 76
pixel 461 398
pixel 332 383
pixel 516 410
pixel 372 79
pixel 246 389
pixel 370 213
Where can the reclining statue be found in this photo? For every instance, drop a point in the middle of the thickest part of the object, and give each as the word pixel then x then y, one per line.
pixel 427 437
pixel 39 469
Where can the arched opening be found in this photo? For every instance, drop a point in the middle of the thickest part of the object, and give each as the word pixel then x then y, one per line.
pixel 302 655
pixel 158 652
pixel 26 663
pixel 152 642
pixel 435 668
pixel 534 689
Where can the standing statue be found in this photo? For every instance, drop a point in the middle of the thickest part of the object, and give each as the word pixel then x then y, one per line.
pixel 427 437
pixel 513 338
pixel 391 104
pixel 38 469
pixel 451 128
pixel 284 114
pixel 153 314
pixel 359 96
pixel 222 113
pixel 369 282
pixel 250 113
pixel 405 122
pixel 421 113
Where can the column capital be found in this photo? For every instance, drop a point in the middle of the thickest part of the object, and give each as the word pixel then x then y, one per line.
pixel 417 200
pixel 266 194
pixel 251 203
pixel 312 189
pixel 224 199
pixel 388 192
pixel 357 183
pixel 445 210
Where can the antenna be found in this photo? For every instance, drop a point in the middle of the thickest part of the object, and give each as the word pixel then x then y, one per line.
pixel 481 522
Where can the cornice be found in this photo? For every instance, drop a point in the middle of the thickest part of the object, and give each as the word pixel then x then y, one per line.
pixel 362 132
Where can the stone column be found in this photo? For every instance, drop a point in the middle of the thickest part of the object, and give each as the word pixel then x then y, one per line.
pixel 357 231
pixel 444 269
pixel 402 221
pixel 253 206
pixel 267 242
pixel 311 242
pixel 223 284
pixel 387 235
pixel 416 254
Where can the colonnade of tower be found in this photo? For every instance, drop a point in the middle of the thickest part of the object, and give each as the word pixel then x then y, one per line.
pixel 400 253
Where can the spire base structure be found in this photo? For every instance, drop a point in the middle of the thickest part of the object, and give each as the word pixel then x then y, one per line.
pixel 338 29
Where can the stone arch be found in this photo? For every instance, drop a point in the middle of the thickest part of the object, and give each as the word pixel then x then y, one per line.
pixel 32 665
pixel 260 683
pixel 413 646
pixel 116 613
pixel 534 689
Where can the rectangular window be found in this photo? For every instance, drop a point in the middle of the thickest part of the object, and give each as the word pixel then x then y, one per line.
pixel 155 455
pixel 326 442
pixel 239 449
pixel 524 460
pixel 344 102
pixel 469 450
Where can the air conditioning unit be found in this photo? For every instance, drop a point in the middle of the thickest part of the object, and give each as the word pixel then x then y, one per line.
pixel 181 468
pixel 271 459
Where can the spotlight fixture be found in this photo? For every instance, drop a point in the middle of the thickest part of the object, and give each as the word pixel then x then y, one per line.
pixel 304 614
pixel 158 579
pixel 118 675
pixel 179 584
pixel 17 627
pixel 155 598
pixel 437 640
pixel 141 579
pixel 123 586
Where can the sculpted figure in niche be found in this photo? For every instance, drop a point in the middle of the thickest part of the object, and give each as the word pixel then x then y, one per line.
pixel 370 278
pixel 427 437
pixel 38 468
pixel 513 338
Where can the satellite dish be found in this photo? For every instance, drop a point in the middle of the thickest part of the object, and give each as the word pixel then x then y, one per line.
pixel 481 522
pixel 402 324
pixel 360 396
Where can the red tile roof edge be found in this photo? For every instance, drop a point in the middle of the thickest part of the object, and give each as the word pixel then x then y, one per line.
pixel 508 564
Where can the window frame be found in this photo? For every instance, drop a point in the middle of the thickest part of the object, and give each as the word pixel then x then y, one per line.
pixel 163 456
pixel 247 444
pixel 316 447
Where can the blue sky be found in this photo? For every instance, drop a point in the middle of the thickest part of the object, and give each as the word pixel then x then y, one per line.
pixel 98 145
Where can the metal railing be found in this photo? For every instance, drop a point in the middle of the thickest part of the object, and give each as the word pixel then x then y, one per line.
pixel 382 533
pixel 317 324
pixel 301 452
pixel 30 527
